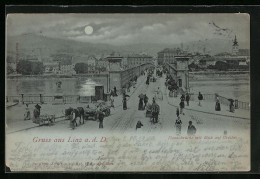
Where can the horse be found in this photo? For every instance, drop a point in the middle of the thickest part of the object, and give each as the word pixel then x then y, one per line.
pixel 74 115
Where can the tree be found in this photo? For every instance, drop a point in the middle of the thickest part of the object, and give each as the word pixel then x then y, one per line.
pixel 221 66
pixel 10 70
pixel 37 68
pixel 81 68
pixel 24 67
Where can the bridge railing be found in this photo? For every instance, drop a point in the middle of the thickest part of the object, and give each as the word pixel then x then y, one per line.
pixel 63 99
pixel 223 100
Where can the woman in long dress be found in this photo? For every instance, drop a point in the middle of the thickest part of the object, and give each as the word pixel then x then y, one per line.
pixel 112 102
pixel 124 103
pixel 217 107
pixel 178 124
pixel 27 114
pixel 140 106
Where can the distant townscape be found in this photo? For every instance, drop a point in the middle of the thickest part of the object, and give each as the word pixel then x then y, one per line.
pixel 66 63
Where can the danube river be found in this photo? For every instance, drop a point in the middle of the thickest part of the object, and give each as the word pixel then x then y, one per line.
pixel 85 86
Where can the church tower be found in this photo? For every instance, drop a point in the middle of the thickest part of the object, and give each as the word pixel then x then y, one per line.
pixel 235 46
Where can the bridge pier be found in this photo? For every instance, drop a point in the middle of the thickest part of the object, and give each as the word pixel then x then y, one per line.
pixel 179 71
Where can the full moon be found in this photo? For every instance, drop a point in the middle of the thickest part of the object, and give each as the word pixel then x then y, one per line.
pixel 88 30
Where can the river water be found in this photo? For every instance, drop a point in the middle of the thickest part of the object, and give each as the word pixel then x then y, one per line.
pixel 70 86
pixel 84 86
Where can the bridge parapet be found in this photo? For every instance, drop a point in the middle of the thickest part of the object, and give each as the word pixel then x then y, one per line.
pixel 120 79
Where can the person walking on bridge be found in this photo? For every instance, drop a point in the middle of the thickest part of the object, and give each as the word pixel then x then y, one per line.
pixel 187 98
pixel 155 112
pixel 178 124
pixel 115 91
pixel 200 98
pixel 125 101
pixel 191 129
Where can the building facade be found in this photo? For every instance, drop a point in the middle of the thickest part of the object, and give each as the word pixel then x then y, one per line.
pixel 168 55
pixel 136 60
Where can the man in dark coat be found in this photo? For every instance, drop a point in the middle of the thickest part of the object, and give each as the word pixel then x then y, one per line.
pixel 36 112
pixel 155 111
pixel 177 112
pixel 138 125
pixel 182 97
pixel 191 129
pixel 187 98
pixel 100 116
pixel 115 92
pixel 200 97
pixel 124 103
pixel 147 80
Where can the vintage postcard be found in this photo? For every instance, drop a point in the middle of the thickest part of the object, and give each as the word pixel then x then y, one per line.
pixel 127 92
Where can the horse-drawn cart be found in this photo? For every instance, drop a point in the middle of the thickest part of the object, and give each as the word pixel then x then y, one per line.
pixel 45 119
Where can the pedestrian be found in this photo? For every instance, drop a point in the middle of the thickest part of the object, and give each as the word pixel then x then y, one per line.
pixel 115 91
pixel 182 97
pixel 187 98
pixel 101 118
pixel 140 106
pixel 138 125
pixel 145 100
pixel 191 129
pixel 147 80
pixel 200 97
pixel 231 106
pixel 181 107
pixel 178 124
pixel 73 121
pixel 111 93
pixel 155 111
pixel 36 113
pixel 217 107
pixel 27 114
pixel 178 112
pixel 124 103
pixel 112 102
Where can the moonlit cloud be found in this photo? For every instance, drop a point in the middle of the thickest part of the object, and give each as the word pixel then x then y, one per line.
pixel 119 29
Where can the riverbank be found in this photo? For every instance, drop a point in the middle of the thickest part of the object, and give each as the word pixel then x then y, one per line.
pixel 219 75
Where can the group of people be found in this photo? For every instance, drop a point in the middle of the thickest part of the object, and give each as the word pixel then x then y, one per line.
pixel 191 128
pixel 143 100
pixel 36 112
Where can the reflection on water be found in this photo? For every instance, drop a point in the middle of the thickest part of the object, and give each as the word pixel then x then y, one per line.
pixel 70 86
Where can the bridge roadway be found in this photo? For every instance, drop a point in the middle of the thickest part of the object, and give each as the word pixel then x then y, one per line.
pixel 124 121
